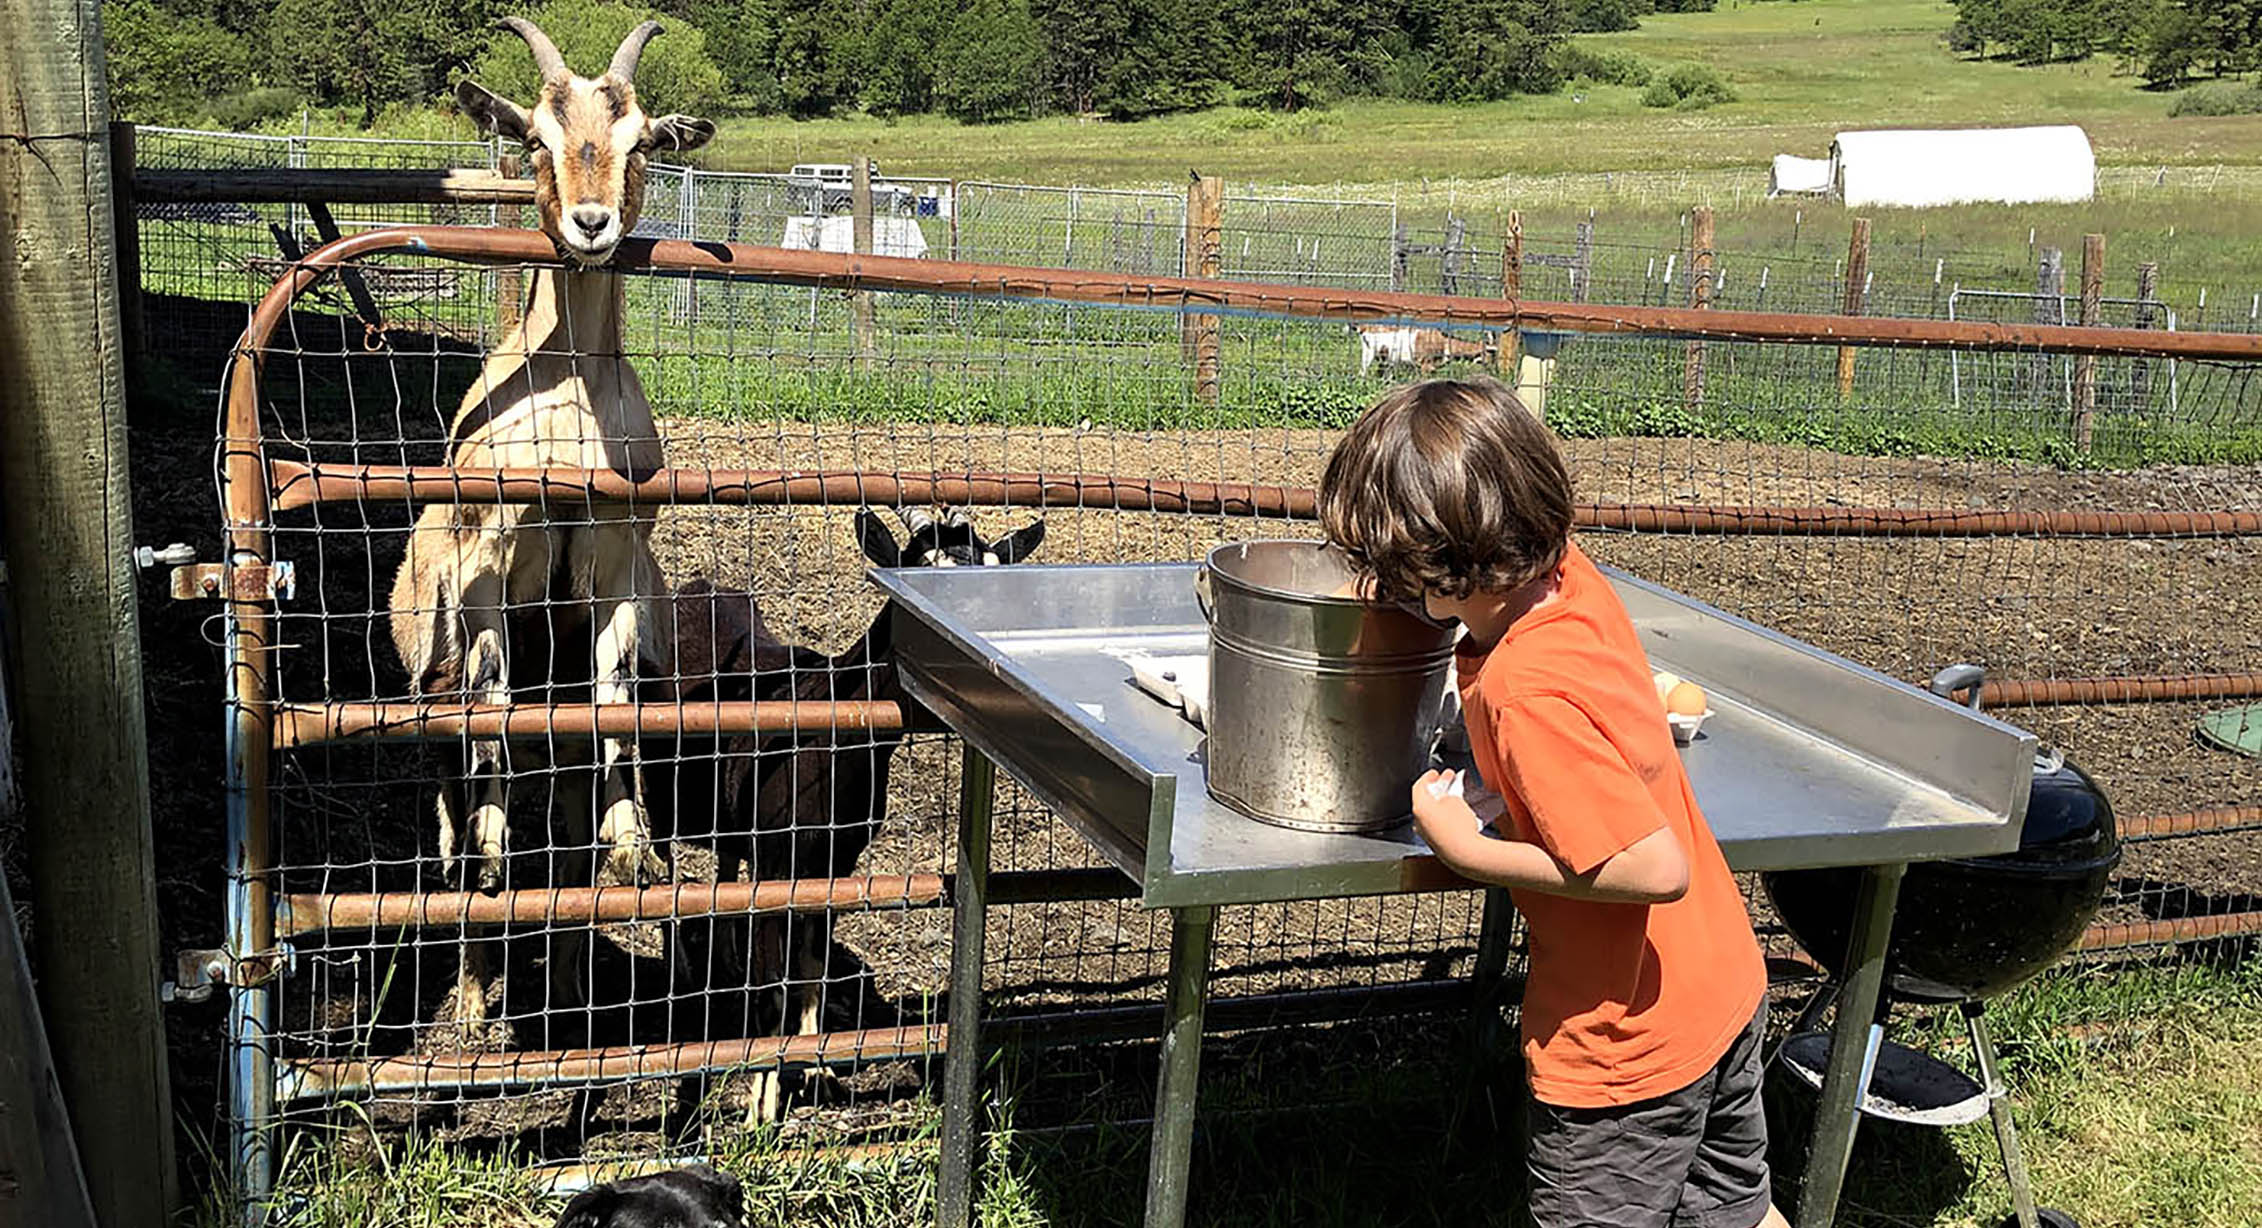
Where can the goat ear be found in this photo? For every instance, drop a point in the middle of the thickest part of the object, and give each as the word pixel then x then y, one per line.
pixel 591 1208
pixel 491 111
pixel 1019 544
pixel 681 133
pixel 877 540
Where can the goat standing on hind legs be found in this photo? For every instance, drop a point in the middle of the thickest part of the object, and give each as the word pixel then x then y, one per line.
pixel 558 392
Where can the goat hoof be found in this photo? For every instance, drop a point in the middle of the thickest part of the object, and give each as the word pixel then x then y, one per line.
pixel 490 879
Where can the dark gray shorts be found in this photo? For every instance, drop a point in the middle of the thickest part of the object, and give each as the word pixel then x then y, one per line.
pixel 1695 1158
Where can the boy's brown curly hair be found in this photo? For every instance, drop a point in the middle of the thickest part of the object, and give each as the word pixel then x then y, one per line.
pixel 1447 486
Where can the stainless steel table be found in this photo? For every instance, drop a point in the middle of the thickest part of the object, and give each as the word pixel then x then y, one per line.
pixel 1808 760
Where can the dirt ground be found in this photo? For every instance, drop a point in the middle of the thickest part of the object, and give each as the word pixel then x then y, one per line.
pixel 356 818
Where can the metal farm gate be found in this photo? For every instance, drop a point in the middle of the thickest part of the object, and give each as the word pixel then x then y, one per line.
pixel 624 1022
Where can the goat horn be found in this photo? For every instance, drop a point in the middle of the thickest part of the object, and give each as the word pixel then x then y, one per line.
pixel 546 57
pixel 957 517
pixel 914 519
pixel 631 50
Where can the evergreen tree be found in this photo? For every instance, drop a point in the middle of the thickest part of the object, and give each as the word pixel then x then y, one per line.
pixel 987 67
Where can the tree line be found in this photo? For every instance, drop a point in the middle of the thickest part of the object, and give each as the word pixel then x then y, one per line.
pixel 245 61
pixel 2168 42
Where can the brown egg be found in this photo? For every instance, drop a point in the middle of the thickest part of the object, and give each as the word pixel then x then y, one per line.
pixel 1686 699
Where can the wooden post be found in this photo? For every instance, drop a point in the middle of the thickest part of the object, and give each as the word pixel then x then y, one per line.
pixel 510 281
pixel 66 521
pixel 40 1179
pixel 2085 365
pixel 1700 298
pixel 1205 240
pixel 1505 350
pixel 860 206
pixel 1583 257
pixel 2147 316
pixel 125 216
pixel 1857 284
pixel 2049 308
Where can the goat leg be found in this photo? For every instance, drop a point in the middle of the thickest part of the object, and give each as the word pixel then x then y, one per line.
pixel 490 765
pixel 623 578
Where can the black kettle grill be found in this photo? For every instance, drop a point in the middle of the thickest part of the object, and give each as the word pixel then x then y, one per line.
pixel 1965 931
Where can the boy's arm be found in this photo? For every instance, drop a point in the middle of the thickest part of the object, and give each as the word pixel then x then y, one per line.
pixel 1651 870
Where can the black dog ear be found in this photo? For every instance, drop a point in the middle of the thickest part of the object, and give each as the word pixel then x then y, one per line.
pixel 1019 544
pixel 877 540
pixel 591 1208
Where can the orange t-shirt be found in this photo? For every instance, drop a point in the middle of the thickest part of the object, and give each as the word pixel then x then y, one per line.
pixel 1623 1002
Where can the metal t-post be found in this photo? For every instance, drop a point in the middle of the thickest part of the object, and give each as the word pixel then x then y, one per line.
pixel 1854 1037
pixel 1170 1162
pixel 962 1058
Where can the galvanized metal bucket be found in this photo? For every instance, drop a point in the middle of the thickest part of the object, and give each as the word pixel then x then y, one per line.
pixel 1322 710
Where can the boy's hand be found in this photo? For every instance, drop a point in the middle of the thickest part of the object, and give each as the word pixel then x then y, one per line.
pixel 1442 817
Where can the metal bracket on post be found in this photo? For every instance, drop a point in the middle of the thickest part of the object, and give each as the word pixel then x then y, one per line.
pixel 241 582
pixel 197 973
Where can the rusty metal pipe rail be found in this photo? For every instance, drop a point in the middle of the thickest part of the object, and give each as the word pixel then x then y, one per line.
pixel 2126 689
pixel 553 1068
pixel 1212 296
pixel 298 486
pixel 314 912
pixel 2120 935
pixel 301 725
pixel 2217 821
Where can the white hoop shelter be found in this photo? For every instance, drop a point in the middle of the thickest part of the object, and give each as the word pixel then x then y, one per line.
pixel 1918 168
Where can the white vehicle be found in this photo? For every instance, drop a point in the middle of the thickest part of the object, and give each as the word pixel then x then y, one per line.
pixel 822 187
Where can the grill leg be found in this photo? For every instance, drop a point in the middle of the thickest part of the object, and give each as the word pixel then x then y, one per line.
pixel 1854 1037
pixel 962 1055
pixel 1999 1109
pixel 1171 1161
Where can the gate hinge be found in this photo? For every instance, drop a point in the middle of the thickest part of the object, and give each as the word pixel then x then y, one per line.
pixel 197 973
pixel 238 582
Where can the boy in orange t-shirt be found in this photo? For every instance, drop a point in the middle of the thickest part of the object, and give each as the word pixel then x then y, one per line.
pixel 1646 997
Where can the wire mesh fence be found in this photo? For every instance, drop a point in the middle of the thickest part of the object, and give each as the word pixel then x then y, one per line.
pixel 619 1004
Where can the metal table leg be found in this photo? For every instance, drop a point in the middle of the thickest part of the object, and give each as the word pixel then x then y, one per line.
pixel 962 1057
pixel 1172 1156
pixel 1854 1038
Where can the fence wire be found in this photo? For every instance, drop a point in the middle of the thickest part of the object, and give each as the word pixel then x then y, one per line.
pixel 388 1016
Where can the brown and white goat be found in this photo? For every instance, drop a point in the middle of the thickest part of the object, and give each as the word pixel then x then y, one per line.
pixel 1421 348
pixel 557 392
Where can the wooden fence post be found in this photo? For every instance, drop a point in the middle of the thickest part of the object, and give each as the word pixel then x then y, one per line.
pixel 1857 298
pixel 1505 350
pixel 1700 298
pixel 2147 316
pixel 860 208
pixel 40 1179
pixel 1205 201
pixel 1583 261
pixel 2049 308
pixel 510 281
pixel 2085 365
pixel 125 216
pixel 66 525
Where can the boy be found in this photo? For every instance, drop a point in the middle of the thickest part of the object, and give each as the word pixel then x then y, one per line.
pixel 1645 999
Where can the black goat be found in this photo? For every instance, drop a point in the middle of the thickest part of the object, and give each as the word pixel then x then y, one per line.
pixel 801 805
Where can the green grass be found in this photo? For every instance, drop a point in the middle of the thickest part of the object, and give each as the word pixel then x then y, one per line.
pixel 2138 1096
pixel 1801 71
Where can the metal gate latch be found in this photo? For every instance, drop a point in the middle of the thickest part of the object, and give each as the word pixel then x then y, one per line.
pixel 146 557
pixel 240 582
pixel 197 973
